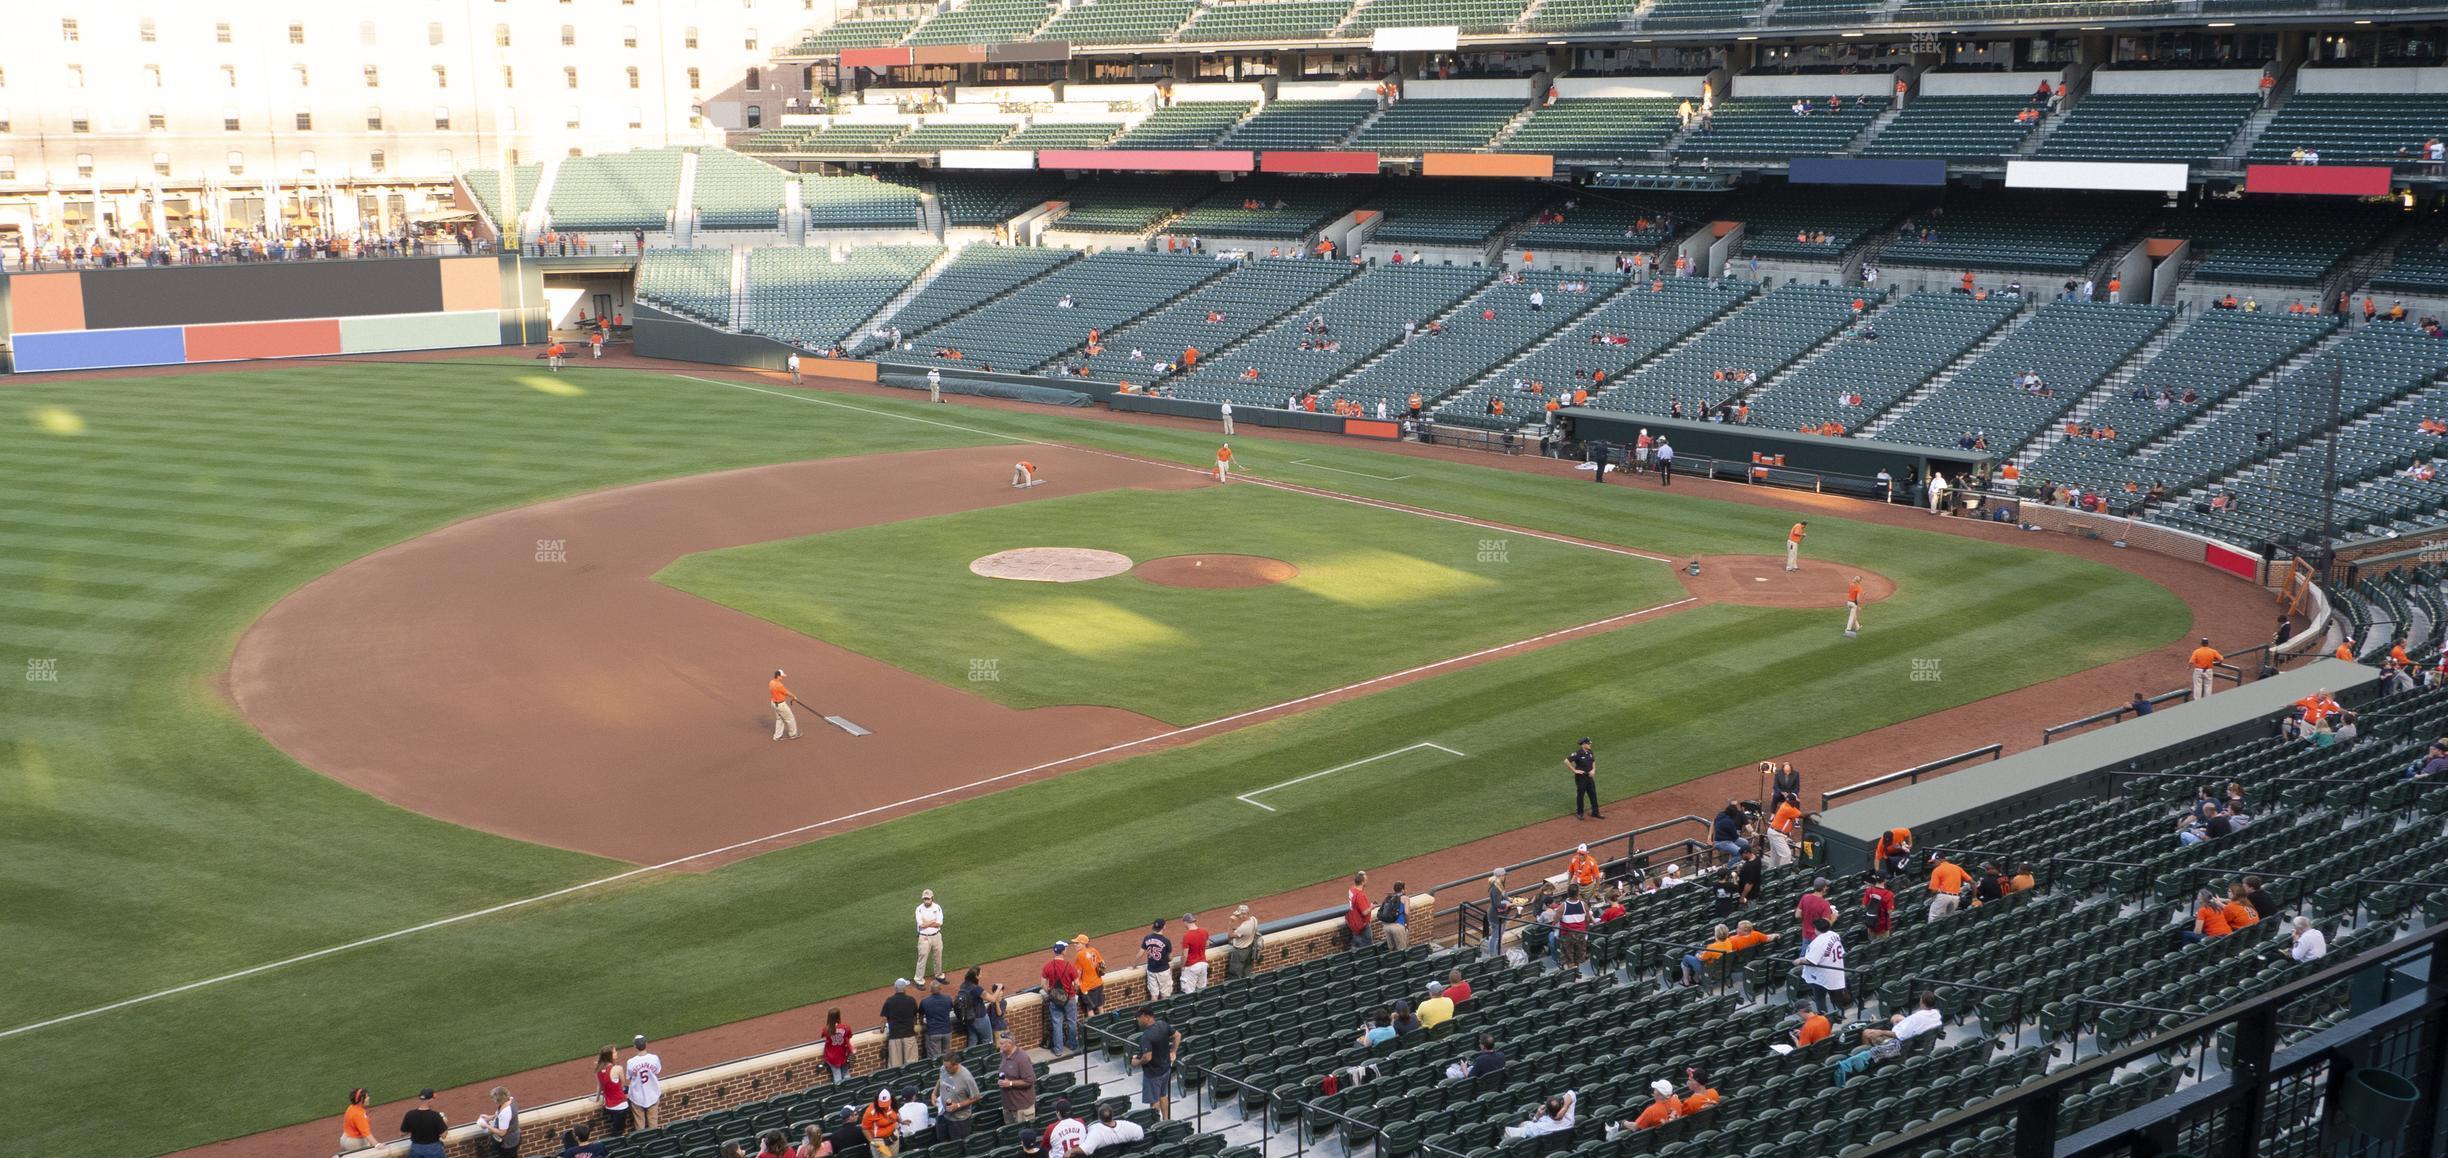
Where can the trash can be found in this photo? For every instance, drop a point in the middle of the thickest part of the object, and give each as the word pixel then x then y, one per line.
pixel 2377 1103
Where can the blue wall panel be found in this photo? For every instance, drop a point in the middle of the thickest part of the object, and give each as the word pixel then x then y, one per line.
pixel 99 349
pixel 1864 171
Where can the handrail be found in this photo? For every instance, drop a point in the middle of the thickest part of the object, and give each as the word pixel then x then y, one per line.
pixel 2050 733
pixel 1914 773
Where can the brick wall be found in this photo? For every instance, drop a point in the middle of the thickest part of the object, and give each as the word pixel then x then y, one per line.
pixel 698 1093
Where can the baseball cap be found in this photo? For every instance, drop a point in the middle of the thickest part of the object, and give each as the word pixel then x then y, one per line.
pixel 639 1041
pixel 926 894
pixel 1581 848
pixel 1662 1088
pixel 901 983
pixel 1188 917
pixel 1060 946
pixel 425 1095
pixel 1031 1140
pixel 1585 739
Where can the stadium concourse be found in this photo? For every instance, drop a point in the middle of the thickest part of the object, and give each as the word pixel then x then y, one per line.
pixel 2226 607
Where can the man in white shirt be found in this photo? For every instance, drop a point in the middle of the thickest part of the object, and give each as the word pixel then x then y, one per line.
pixel 1823 965
pixel 1065 1137
pixel 1883 1044
pixel 1110 1132
pixel 1555 1116
pixel 930 933
pixel 1226 412
pixel 934 385
pixel 914 1116
pixel 2310 943
pixel 645 1081
pixel 791 364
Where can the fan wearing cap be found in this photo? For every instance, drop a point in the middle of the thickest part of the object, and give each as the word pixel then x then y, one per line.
pixel 423 1126
pixel 644 1079
pixel 881 1125
pixel 1061 979
pixel 1582 868
pixel 1241 959
pixel 1663 1107
pixel 1091 966
pixel 786 725
pixel 1193 954
pixel 930 934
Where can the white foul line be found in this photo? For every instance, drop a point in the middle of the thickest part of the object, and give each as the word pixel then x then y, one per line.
pixel 1295 488
pixel 506 906
pixel 1245 797
pixel 1340 470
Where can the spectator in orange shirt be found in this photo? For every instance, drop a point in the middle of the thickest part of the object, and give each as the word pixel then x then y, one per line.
pixel 2205 659
pixel 2209 920
pixel 2239 911
pixel 1697 1095
pixel 1814 1028
pixel 1946 884
pixel 1663 1107
pixel 1582 868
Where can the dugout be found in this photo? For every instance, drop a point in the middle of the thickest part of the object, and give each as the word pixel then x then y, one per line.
pixel 1945 809
pixel 1853 462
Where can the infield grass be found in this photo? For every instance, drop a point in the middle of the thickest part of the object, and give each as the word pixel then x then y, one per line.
pixel 1379 591
pixel 152 839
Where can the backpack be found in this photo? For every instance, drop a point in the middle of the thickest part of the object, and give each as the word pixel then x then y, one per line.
pixel 1390 910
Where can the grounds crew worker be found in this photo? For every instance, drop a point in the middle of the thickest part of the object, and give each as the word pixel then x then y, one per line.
pixel 1024 473
pixel 1584 766
pixel 786 726
pixel 2205 658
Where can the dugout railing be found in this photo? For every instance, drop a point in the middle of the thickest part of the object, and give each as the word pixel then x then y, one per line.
pixel 1913 774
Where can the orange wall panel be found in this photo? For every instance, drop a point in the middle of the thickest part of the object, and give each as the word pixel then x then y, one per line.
pixel 46 302
pixel 471 283
pixel 1537 166
pixel 238 341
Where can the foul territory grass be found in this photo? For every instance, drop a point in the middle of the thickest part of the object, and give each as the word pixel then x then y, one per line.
pixel 153 839
pixel 1378 591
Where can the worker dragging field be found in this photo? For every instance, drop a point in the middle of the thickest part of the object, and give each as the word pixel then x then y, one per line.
pixel 1223 466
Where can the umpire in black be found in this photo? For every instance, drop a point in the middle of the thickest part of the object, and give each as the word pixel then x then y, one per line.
pixel 1584 766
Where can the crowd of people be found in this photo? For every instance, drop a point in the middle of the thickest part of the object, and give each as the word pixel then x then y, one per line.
pixel 96 249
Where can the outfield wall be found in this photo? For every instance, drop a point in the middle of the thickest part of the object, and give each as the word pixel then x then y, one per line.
pixel 711 1089
pixel 165 316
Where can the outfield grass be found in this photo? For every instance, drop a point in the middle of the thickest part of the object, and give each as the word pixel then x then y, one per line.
pixel 1378 591
pixel 153 839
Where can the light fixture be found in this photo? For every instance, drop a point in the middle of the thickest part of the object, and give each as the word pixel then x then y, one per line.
pixel 2362 21
pixel 1554 43
pixel 1746 38
pixel 1849 35
pixel 2222 24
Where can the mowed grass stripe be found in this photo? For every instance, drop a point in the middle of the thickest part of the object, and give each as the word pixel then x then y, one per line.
pixel 172 843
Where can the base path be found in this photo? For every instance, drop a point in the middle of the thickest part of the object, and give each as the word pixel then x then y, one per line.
pixel 522 673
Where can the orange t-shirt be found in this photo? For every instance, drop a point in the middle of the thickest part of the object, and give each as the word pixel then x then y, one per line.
pixel 1948 878
pixel 2241 915
pixel 1223 454
pixel 1028 466
pixel 1814 1030
pixel 354 1124
pixel 1658 1114
pixel 2206 657
pixel 1584 869
pixel 2213 920
pixel 1091 967
pixel 2345 651
pixel 1694 1103
pixel 1795 535
pixel 780 693
pixel 1786 814
pixel 1741 941
pixel 1853 593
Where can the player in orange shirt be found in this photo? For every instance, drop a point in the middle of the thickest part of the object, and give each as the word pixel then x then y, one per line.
pixel 553 355
pixel 786 725
pixel 1793 546
pixel 1223 466
pixel 1853 598
pixel 1024 473
pixel 2205 658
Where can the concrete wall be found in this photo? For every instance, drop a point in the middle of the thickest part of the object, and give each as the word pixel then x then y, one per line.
pixel 2374 80
pixel 2182 80
pixel 1676 87
pixel 1326 90
pixel 1518 89
pixel 1877 85
pixel 1242 93
pixel 2142 536
pixel 697 1093
pixel 1986 83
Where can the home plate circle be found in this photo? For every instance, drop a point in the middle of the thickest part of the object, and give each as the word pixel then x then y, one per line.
pixel 1051 564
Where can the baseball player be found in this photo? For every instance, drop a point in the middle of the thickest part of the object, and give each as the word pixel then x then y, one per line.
pixel 786 725
pixel 1226 412
pixel 792 364
pixel 934 385
pixel 1793 547
pixel 1223 467
pixel 1024 473
pixel 553 354
pixel 1853 608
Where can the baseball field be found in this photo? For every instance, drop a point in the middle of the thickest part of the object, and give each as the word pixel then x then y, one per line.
pixel 373 717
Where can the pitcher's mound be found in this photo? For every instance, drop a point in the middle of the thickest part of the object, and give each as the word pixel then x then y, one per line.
pixel 1763 581
pixel 1051 564
pixel 1216 571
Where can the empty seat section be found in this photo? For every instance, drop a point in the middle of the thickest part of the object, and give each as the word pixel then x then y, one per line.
pixel 2150 127
pixel 1424 212
pixel 1423 125
pixel 1364 316
pixel 930 138
pixel 1471 341
pixel 2033 234
pixel 1132 206
pixel 788 140
pixel 1769 127
pixel 2421 263
pixel 1811 224
pixel 505 205
pixel 803 296
pixel 2032 9
pixel 2281 244
pixel 1292 124
pixel 2070 345
pixel 737 192
pixel 857 202
pixel 1701 13
pixel 616 191
pixel 2215 355
pixel 1468 15
pixel 1118 22
pixel 1623 332
pixel 1878 361
pixel 1627 222
pixel 974 275
pixel 1183 126
pixel 1596 127
pixel 2355 128
pixel 697 281
pixel 1583 15
pixel 1213 316
pixel 1029 326
pixel 1270 208
pixel 1063 135
pixel 1956 128
pixel 1763 336
pixel 867 33
pixel 854 136
pixel 990 199
pixel 1267 20
pixel 1843 12
pixel 982 22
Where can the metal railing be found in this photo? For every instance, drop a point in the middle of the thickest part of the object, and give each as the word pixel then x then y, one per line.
pixel 1471 915
pixel 2116 713
pixel 1913 774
